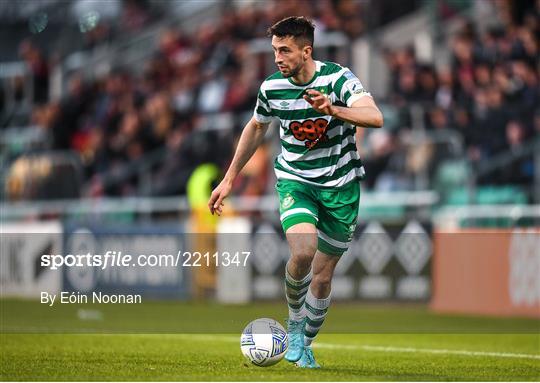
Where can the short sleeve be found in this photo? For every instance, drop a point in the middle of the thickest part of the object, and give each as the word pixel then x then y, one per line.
pixel 262 112
pixel 348 88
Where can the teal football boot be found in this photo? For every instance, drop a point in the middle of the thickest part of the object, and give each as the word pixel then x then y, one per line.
pixel 307 360
pixel 295 332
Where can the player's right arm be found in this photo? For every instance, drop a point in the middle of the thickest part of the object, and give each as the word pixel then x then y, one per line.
pixel 250 139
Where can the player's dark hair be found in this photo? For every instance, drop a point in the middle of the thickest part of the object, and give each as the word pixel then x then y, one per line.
pixel 299 27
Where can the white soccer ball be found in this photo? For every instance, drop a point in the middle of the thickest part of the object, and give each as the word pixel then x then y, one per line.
pixel 264 342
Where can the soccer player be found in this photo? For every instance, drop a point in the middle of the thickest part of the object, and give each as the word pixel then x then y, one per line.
pixel 319 105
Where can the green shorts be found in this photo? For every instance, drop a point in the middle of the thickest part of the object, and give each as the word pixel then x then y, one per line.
pixel 334 211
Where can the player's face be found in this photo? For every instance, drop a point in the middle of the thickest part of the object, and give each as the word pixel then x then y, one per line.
pixel 288 56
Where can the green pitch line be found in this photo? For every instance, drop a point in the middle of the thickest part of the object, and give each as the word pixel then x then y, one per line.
pixel 211 357
pixel 201 342
pixel 181 317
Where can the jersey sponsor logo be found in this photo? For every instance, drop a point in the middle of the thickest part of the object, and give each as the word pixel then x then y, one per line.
pixel 310 131
pixel 284 104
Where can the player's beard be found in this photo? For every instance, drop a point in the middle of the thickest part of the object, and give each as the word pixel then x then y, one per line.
pixel 293 72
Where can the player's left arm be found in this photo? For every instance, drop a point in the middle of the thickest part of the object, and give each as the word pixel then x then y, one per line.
pixel 363 112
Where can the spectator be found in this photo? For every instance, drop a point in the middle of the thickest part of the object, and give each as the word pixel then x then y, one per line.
pixel 39 68
pixel 521 169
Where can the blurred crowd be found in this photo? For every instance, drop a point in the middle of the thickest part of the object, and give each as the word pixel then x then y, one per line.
pixel 119 119
pixel 489 94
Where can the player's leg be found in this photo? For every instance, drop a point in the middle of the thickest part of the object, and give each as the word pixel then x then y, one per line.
pixel 302 239
pixel 298 215
pixel 337 222
pixel 318 295
pixel 317 304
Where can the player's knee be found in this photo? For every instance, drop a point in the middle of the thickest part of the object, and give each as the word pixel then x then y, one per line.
pixel 303 258
pixel 304 249
pixel 322 281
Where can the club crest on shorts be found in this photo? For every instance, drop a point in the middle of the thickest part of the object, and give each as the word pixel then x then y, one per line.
pixel 352 228
pixel 287 202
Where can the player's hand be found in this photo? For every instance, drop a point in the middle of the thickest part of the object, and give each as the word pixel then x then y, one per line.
pixel 215 203
pixel 320 102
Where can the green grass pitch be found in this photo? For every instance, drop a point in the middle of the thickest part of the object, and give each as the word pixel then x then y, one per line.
pixel 184 341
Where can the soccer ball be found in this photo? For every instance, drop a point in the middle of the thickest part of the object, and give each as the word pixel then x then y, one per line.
pixel 264 342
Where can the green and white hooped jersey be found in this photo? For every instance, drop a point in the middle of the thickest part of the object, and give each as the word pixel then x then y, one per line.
pixel 315 149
